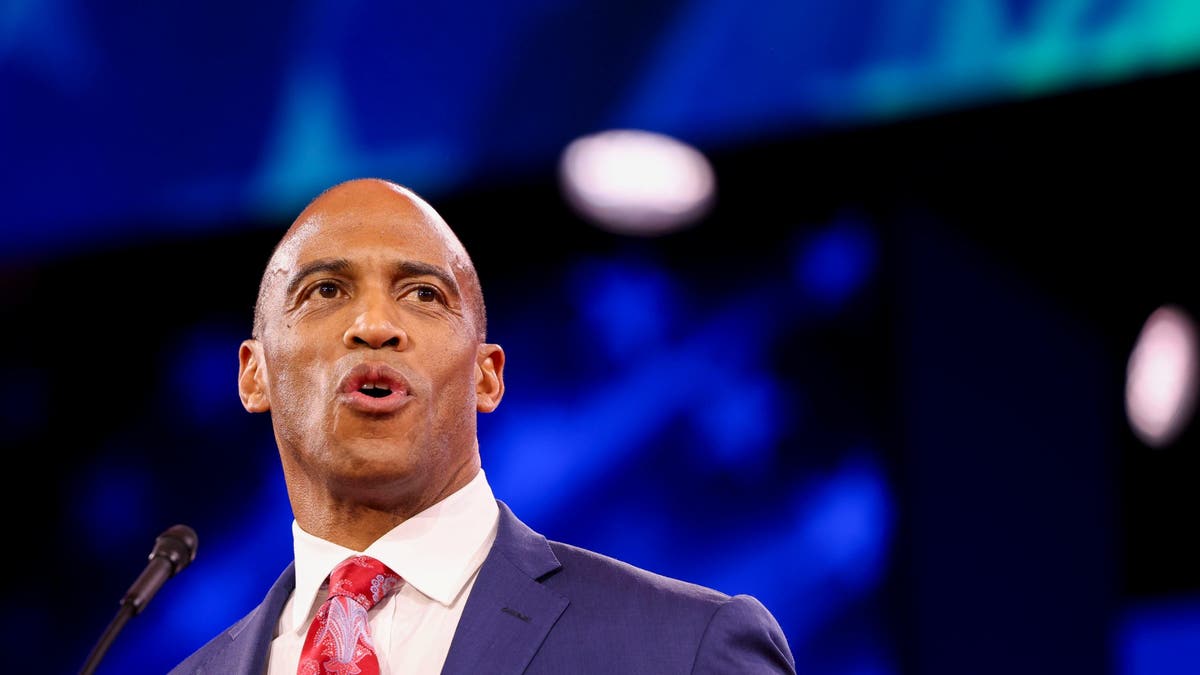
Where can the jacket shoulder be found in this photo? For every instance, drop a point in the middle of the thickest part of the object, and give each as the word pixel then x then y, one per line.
pixel 584 569
pixel 658 619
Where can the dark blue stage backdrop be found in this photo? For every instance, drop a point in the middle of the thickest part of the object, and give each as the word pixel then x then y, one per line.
pixel 879 385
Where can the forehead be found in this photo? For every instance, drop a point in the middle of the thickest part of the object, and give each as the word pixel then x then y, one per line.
pixel 369 220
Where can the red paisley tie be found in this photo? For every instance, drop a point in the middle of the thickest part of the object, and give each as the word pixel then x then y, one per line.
pixel 339 642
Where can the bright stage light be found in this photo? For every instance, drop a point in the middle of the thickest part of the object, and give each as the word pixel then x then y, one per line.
pixel 1160 387
pixel 637 182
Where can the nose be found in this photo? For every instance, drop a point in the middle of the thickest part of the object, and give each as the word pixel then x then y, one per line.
pixel 377 326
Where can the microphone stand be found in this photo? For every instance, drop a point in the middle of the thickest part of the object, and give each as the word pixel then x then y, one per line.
pixel 106 639
pixel 173 551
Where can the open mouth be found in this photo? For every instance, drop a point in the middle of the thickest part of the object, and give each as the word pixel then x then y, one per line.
pixel 376 390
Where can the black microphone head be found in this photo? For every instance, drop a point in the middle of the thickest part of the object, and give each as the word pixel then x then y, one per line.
pixel 177 545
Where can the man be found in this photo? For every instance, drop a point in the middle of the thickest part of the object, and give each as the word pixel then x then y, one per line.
pixel 369 351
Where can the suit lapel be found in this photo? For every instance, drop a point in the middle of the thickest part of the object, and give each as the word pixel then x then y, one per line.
pixel 245 652
pixel 509 612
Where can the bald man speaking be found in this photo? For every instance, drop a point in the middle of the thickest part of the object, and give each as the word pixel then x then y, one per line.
pixel 369 351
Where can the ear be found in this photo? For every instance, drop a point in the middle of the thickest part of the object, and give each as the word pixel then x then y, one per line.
pixel 252 377
pixel 489 377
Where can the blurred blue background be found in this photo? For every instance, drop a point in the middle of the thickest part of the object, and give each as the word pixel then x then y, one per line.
pixel 879 385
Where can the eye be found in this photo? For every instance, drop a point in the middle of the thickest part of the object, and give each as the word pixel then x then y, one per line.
pixel 326 290
pixel 425 293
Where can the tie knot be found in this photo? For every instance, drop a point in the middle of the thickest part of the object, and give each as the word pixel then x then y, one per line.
pixel 362 579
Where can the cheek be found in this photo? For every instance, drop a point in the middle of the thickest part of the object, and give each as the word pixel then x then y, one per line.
pixel 454 377
pixel 297 376
pixel 299 413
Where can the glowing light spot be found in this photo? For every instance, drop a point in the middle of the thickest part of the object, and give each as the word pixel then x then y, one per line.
pixel 636 182
pixel 1160 387
pixel 837 262
pixel 629 305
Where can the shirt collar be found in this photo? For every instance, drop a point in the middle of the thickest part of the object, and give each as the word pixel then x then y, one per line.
pixel 435 551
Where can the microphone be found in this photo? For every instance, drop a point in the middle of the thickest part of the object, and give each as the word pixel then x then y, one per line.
pixel 173 550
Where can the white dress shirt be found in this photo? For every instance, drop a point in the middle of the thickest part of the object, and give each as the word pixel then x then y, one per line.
pixel 437 553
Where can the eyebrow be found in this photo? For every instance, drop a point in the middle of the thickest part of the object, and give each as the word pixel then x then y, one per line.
pixel 404 269
pixel 411 268
pixel 335 265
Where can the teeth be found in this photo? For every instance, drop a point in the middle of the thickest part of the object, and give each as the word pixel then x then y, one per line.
pixel 375 390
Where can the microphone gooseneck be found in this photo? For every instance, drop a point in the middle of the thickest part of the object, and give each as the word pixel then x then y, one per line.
pixel 174 550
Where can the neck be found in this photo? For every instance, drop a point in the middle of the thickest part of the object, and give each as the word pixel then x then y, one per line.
pixel 357 519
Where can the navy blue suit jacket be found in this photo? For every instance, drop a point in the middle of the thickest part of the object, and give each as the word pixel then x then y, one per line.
pixel 540 607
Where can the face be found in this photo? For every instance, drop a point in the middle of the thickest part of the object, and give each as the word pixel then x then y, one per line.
pixel 369 356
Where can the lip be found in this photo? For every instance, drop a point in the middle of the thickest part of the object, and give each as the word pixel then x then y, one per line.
pixel 350 391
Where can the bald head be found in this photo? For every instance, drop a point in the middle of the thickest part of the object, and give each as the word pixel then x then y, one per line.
pixel 368 202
